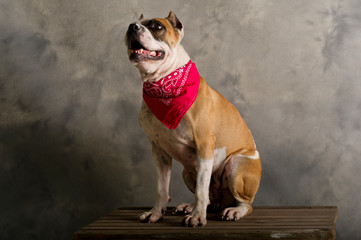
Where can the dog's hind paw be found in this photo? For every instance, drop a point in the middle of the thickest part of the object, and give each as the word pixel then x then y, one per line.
pixel 236 213
pixel 183 208
pixel 150 217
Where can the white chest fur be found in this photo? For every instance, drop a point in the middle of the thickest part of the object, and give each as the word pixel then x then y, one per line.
pixel 176 142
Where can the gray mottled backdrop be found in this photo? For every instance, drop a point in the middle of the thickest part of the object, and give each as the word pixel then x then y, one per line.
pixel 71 149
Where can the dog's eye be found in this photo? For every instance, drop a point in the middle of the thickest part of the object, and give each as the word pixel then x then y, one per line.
pixel 156 26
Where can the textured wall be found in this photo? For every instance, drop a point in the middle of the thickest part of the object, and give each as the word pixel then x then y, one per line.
pixel 71 149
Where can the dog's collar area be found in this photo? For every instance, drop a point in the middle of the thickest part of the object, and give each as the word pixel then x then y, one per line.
pixel 170 97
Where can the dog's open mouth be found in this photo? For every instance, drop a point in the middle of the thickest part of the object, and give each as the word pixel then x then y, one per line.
pixel 139 53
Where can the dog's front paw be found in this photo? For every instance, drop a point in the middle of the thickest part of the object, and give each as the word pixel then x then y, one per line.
pixel 195 220
pixel 150 217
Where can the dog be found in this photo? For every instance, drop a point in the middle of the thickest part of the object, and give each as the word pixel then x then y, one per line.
pixel 186 120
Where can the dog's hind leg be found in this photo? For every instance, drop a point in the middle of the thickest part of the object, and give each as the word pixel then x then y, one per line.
pixel 243 172
pixel 186 208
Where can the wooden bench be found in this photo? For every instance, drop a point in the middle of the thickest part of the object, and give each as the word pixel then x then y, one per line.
pixel 263 223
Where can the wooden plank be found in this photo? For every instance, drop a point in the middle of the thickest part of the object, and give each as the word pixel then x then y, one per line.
pixel 215 235
pixel 263 223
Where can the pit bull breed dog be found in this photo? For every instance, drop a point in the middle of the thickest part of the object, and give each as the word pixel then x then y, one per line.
pixel 187 120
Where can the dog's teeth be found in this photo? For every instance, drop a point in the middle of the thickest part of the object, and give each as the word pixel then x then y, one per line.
pixel 145 52
pixel 139 51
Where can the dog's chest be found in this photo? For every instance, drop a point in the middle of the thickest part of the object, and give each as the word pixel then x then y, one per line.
pixel 178 143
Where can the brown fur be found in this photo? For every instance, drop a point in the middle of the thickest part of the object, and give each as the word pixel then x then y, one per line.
pixel 171 36
pixel 213 116
pixel 214 123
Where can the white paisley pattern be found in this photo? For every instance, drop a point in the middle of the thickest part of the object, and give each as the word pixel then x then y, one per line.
pixel 169 87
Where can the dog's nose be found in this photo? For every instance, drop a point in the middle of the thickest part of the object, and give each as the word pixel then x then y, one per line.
pixel 134 27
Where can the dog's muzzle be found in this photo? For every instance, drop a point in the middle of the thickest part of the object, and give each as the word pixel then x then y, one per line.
pixel 136 50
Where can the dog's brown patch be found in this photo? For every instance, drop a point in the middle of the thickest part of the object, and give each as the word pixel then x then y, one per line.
pixel 171 35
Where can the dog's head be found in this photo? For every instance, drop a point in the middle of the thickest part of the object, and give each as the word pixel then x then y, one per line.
pixel 152 43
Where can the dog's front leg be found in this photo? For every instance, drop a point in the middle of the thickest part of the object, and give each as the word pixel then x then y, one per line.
pixel 163 164
pixel 205 161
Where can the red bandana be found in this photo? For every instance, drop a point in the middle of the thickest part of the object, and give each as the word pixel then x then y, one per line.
pixel 170 98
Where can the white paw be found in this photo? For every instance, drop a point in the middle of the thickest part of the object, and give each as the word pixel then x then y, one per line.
pixel 183 208
pixel 150 217
pixel 234 213
pixel 195 220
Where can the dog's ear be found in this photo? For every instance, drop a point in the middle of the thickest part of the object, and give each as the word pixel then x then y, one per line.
pixel 175 21
pixel 141 17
